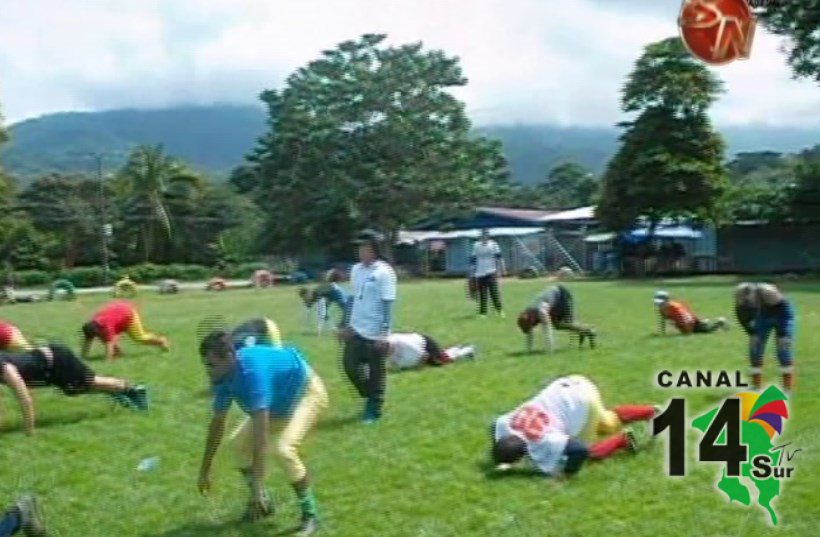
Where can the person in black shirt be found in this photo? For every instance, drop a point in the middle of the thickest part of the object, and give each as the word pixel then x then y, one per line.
pixel 58 366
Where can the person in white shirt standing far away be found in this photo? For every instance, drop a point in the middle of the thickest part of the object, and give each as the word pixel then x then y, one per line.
pixel 367 324
pixel 487 263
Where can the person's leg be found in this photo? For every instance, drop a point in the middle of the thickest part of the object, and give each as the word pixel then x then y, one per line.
pixel 312 404
pixel 377 370
pixel 494 292
pixel 352 361
pixel 609 446
pixel 483 284
pixel 757 346
pixel 11 522
pixel 600 421
pixel 435 355
pixel 460 351
pixel 273 332
pixel 138 333
pixel 785 335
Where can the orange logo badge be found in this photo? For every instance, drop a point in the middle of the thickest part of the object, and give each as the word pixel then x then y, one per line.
pixel 717 31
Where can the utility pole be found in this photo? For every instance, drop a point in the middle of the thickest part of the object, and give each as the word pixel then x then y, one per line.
pixel 105 226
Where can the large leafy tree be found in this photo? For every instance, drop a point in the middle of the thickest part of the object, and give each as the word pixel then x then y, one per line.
pixel 799 21
pixel 367 135
pixel 566 186
pixel 670 160
pixel 805 200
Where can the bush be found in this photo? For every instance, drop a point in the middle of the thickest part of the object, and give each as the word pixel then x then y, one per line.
pixel 87 276
pixel 243 270
pixel 149 273
pixel 31 278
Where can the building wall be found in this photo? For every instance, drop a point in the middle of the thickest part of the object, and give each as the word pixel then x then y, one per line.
pixel 769 248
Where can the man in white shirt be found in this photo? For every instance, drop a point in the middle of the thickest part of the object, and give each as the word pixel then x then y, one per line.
pixel 486 264
pixel 558 429
pixel 412 350
pixel 367 324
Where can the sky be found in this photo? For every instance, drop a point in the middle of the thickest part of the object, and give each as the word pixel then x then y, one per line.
pixel 526 60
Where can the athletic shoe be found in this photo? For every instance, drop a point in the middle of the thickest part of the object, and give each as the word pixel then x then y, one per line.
pixel 473 353
pixel 31 519
pixel 721 323
pixel 372 413
pixel 482 316
pixel 502 314
pixel 138 395
pixel 122 399
pixel 308 526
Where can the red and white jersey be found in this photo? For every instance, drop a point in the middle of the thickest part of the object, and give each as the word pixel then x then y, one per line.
pixel 546 421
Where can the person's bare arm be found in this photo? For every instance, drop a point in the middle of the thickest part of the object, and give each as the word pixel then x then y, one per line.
pixel 661 323
pixel 258 504
pixel 111 350
pixel 215 432
pixel 546 323
pixel 13 380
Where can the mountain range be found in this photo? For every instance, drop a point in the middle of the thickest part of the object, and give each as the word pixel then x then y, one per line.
pixel 214 139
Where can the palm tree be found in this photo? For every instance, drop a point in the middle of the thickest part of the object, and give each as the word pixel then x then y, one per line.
pixel 149 176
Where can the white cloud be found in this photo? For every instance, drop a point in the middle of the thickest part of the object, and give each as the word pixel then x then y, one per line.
pixel 527 60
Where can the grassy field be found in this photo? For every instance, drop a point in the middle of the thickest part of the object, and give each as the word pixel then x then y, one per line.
pixel 421 470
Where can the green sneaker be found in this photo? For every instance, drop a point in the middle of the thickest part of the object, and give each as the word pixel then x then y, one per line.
pixel 138 395
pixel 308 526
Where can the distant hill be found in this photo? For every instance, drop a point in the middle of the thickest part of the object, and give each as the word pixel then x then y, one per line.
pixel 215 139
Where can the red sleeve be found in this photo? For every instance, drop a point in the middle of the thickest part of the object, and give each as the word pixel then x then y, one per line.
pixel 5 334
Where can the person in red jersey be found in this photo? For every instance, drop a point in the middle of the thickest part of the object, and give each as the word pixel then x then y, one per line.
pixel 111 320
pixel 12 339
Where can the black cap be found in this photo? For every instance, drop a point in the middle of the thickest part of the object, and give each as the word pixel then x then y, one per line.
pixel 372 238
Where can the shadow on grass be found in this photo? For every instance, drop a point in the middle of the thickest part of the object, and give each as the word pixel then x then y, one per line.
pixel 525 353
pixel 340 422
pixel 517 472
pixel 226 527
pixel 56 421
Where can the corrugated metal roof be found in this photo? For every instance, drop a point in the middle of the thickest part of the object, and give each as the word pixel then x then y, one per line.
pixel 581 213
pixel 534 215
pixel 412 237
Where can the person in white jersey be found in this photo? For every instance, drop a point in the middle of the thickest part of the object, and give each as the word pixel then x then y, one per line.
pixel 411 350
pixel 487 264
pixel 367 324
pixel 561 427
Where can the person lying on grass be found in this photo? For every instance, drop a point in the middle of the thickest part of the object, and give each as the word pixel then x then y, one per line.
pixel 277 388
pixel 56 365
pixel 411 350
pixel 553 307
pixel 111 320
pixel 560 428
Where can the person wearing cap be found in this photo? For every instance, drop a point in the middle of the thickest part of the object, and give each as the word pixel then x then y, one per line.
pixel 683 317
pixel 12 339
pixel 56 365
pixel 111 320
pixel 486 263
pixel 279 391
pixel 367 324
pixel 553 308
pixel 761 308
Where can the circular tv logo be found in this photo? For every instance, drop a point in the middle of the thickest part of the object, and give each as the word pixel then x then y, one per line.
pixel 717 31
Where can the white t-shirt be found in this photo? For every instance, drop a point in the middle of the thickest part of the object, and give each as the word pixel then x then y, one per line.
pixel 548 420
pixel 406 350
pixel 485 255
pixel 371 286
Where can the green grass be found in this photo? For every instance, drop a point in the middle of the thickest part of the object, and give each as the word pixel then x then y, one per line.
pixel 420 471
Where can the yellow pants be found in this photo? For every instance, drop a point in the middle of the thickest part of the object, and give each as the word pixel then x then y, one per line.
pixel 18 342
pixel 137 332
pixel 273 332
pixel 600 420
pixel 292 430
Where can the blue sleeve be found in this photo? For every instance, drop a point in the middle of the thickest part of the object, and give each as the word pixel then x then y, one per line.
pixel 347 309
pixel 257 390
pixel 576 453
pixel 387 315
pixel 222 397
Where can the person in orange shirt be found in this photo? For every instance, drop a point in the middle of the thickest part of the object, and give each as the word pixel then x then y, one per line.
pixel 111 320
pixel 683 318
pixel 12 339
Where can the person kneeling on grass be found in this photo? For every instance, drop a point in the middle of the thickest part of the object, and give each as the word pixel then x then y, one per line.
pixel 682 317
pixel 553 307
pixel 12 339
pixel 24 515
pixel 276 387
pixel 413 350
pixel 330 291
pixel 558 429
pixel 56 365
pixel 111 320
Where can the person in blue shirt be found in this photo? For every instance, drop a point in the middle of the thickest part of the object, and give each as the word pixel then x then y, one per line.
pixel 330 291
pixel 276 387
